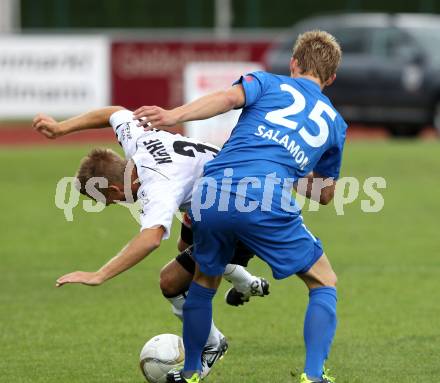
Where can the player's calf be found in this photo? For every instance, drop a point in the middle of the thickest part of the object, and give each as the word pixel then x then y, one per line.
pixel 175 279
pixel 320 320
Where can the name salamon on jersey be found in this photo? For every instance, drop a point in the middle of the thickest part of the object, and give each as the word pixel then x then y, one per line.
pixel 157 149
pixel 295 149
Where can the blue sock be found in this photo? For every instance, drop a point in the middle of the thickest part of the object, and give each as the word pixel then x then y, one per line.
pixel 319 329
pixel 197 318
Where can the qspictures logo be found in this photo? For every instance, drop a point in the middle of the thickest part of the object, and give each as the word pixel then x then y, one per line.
pixel 229 194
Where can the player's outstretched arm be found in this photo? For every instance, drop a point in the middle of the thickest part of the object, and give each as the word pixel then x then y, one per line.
pixel 317 187
pixel 204 107
pixel 94 119
pixel 135 251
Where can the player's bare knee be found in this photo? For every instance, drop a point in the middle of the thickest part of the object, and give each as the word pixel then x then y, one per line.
pixel 166 283
pixel 322 273
pixel 314 279
pixel 331 279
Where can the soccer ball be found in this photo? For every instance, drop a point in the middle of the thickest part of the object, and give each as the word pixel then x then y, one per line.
pixel 160 355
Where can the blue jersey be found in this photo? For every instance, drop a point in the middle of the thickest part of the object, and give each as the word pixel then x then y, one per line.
pixel 287 129
pixel 287 126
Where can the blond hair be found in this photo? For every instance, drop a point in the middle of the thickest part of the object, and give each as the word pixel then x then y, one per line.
pixel 101 163
pixel 318 54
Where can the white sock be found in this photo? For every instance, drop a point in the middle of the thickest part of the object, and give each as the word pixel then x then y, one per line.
pixel 239 277
pixel 177 305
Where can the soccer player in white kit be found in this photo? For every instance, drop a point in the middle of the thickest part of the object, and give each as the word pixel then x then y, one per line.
pixel 160 171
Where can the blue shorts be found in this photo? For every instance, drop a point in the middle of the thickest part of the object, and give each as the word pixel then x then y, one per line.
pixel 277 237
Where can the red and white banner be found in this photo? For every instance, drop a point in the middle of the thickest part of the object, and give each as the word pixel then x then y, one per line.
pixel 151 73
pixel 203 78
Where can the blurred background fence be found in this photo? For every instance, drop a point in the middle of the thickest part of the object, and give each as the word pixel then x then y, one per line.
pixel 65 56
pixel 195 13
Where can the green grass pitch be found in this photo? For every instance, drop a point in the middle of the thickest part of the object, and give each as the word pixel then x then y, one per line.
pixel 388 266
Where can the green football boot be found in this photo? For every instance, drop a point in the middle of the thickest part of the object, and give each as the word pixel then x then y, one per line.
pixel 326 375
pixel 176 376
pixel 325 378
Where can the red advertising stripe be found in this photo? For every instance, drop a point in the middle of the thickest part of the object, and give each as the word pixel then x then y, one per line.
pixel 150 73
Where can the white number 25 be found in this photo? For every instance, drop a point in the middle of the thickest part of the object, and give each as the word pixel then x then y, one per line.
pixel 299 103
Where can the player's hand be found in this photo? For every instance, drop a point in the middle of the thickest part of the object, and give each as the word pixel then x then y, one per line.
pixel 89 279
pixel 154 117
pixel 47 126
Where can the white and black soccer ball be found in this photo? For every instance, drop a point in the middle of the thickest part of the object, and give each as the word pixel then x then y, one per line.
pixel 160 355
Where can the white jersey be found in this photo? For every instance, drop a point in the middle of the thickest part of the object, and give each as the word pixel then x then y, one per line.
pixel 168 165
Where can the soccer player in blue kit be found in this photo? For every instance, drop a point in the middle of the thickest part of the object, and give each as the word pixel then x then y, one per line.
pixel 288 131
